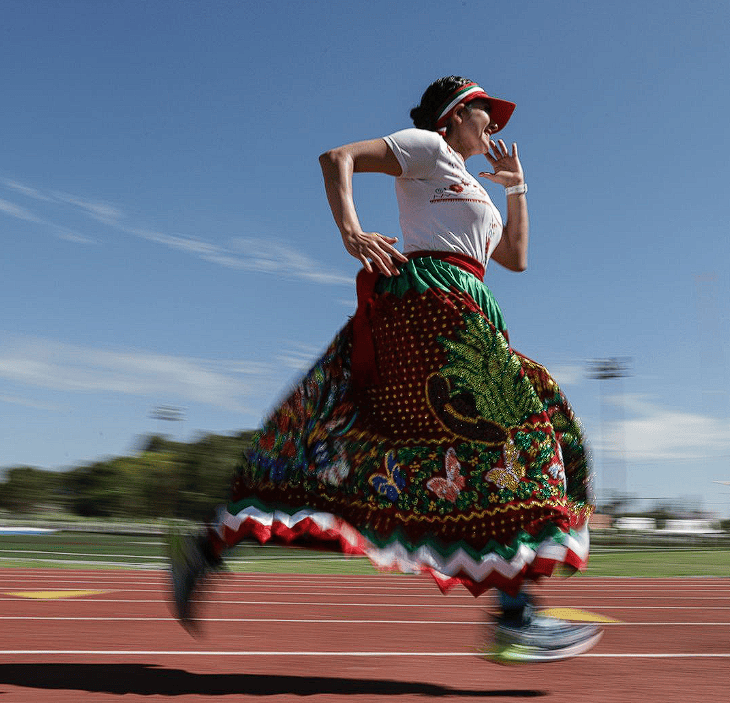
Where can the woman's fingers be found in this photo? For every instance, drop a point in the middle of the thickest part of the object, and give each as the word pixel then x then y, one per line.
pixel 378 249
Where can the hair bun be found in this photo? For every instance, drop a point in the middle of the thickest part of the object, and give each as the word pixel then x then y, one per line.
pixel 420 118
pixel 424 115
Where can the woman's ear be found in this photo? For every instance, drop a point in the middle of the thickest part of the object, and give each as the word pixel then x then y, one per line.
pixel 458 114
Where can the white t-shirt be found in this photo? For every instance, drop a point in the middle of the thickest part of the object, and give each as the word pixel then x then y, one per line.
pixel 442 206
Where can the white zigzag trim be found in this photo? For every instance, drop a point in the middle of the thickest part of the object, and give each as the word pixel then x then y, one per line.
pixel 397 556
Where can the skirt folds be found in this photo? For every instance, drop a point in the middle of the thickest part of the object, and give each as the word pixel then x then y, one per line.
pixel 462 459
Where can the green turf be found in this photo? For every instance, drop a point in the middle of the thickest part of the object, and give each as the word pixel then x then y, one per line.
pixel 660 562
pixel 81 550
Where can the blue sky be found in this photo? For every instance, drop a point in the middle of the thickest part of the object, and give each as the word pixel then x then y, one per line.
pixel 167 241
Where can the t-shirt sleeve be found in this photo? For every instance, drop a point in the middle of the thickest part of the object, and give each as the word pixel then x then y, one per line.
pixel 417 151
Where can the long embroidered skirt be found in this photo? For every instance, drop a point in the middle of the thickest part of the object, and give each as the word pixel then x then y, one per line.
pixel 460 457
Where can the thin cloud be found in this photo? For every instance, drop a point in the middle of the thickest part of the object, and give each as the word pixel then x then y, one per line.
pixel 75 238
pixel 28 403
pixel 103 212
pixel 657 433
pixel 190 245
pixel 300 357
pixel 60 366
pixel 26 190
pixel 567 375
pixel 277 257
pixel 22 213
pixel 242 254
pixel 19 212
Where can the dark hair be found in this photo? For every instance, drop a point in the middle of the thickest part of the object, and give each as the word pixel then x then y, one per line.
pixel 425 114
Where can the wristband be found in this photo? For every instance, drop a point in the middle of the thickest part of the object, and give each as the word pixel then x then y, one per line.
pixel 516 190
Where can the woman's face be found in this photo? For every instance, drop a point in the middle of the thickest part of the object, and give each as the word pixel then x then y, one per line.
pixel 475 129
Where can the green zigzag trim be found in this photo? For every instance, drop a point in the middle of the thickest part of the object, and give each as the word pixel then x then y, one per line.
pixel 506 552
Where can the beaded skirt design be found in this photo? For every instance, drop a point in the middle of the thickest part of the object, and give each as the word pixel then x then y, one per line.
pixel 459 457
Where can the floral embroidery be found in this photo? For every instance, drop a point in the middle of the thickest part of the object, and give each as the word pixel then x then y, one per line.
pixel 392 482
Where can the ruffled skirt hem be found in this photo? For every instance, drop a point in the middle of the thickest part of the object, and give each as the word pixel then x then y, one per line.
pixel 529 558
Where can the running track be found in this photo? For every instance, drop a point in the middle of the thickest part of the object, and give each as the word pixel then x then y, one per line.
pixel 346 638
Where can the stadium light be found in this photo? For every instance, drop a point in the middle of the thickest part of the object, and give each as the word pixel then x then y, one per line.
pixel 612 368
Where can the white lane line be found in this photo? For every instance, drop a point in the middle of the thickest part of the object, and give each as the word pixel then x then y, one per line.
pixel 344 604
pixel 388 581
pixel 583 580
pixel 262 620
pixel 648 596
pixel 282 584
pixel 366 592
pixel 338 621
pixel 86 562
pixel 285 581
pixel 330 654
pixel 20 554
pixel 433 598
pixel 395 583
pixel 246 592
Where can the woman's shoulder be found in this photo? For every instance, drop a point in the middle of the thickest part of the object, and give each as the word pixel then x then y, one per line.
pixel 413 135
pixel 418 151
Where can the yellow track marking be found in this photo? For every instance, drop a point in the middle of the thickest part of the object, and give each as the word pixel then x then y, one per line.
pixel 575 614
pixel 51 595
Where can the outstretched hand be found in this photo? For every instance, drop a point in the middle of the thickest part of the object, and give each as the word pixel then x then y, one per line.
pixel 507 167
pixel 373 247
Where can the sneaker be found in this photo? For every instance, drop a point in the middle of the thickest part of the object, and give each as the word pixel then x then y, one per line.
pixel 190 564
pixel 540 638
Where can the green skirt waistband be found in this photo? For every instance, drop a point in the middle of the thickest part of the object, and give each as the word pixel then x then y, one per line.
pixel 426 273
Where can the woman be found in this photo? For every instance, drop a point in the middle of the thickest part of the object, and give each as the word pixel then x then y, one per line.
pixel 420 438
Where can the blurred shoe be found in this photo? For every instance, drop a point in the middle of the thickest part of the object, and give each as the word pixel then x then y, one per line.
pixel 191 561
pixel 539 638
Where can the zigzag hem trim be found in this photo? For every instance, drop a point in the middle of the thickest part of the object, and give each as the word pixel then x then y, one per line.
pixel 447 571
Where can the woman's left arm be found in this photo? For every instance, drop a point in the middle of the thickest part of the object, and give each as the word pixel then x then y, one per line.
pixel 511 252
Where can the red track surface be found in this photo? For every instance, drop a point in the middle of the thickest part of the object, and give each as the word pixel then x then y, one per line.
pixel 335 638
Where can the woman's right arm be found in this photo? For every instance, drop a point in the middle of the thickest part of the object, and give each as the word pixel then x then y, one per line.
pixel 338 165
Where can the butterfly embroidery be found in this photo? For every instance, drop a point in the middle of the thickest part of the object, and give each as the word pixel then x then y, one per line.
pixel 557 468
pixel 391 483
pixel 448 488
pixel 509 476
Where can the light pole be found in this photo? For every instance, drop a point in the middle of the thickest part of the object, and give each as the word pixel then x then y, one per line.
pixel 723 483
pixel 613 368
pixel 168 413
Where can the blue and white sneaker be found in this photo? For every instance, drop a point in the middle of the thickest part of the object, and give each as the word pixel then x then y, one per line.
pixel 542 639
pixel 525 636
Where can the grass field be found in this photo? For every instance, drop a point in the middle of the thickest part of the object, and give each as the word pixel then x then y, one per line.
pixel 104 551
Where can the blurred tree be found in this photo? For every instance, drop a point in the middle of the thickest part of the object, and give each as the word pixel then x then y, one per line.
pixel 26 489
pixel 205 471
pixel 164 479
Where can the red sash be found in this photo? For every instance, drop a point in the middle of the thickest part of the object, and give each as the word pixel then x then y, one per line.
pixel 364 368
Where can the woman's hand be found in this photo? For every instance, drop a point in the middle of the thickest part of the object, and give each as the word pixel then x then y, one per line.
pixel 373 247
pixel 511 252
pixel 507 167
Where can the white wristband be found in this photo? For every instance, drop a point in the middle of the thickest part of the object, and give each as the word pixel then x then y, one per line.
pixel 516 190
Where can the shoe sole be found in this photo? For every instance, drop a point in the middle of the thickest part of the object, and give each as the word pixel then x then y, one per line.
pixel 521 654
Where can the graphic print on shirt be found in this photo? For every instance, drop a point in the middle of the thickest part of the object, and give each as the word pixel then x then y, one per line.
pixel 469 192
pixel 465 190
